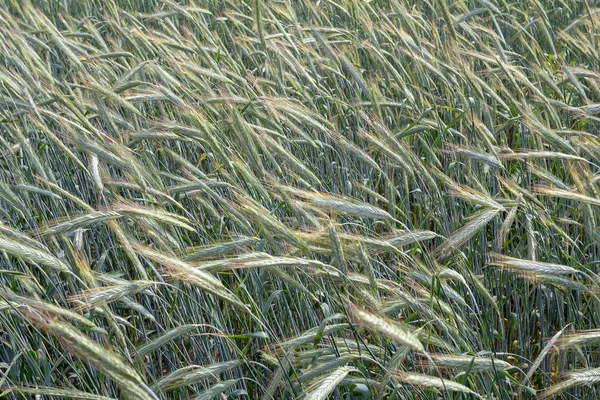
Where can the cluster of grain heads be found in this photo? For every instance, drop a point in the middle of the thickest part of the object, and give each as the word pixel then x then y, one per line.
pixel 192 194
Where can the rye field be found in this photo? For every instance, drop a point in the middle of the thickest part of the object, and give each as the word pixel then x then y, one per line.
pixel 299 199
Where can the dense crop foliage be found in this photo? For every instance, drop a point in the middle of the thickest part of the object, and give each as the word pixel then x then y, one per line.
pixel 299 199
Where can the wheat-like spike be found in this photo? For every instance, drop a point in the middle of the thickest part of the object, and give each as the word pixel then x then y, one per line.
pixel 591 375
pixel 95 169
pixel 536 267
pixel 270 223
pixel 338 251
pixel 198 278
pixel 173 334
pixel 547 175
pixel 37 190
pixel 508 221
pixel 576 378
pixel 359 279
pixel 428 280
pixel 268 262
pixel 191 188
pixel 298 210
pixel 283 367
pixel 199 253
pixel 582 338
pixel 556 280
pixel 374 246
pixel 32 254
pixel 249 178
pixel 104 295
pixel 566 194
pixel 187 273
pixel 290 159
pixel 525 155
pixel 231 263
pixel 56 392
pixel 216 390
pixel 127 247
pixel 135 306
pixel 517 190
pixel 171 261
pixel 102 359
pixel 471 363
pixel 540 358
pixel 356 151
pixel 386 149
pixel 357 209
pixel 429 381
pixel 13 234
pixel 422 306
pixel 388 328
pixel 17 301
pixel 149 134
pixel 558 388
pixel 323 389
pixel 409 237
pixel 462 235
pixel 320 370
pixel 195 373
pixel 450 274
pixel 310 335
pixel 473 196
pixel 474 154
pixel 367 264
pixel 154 214
pixel 298 110
pixel 80 222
